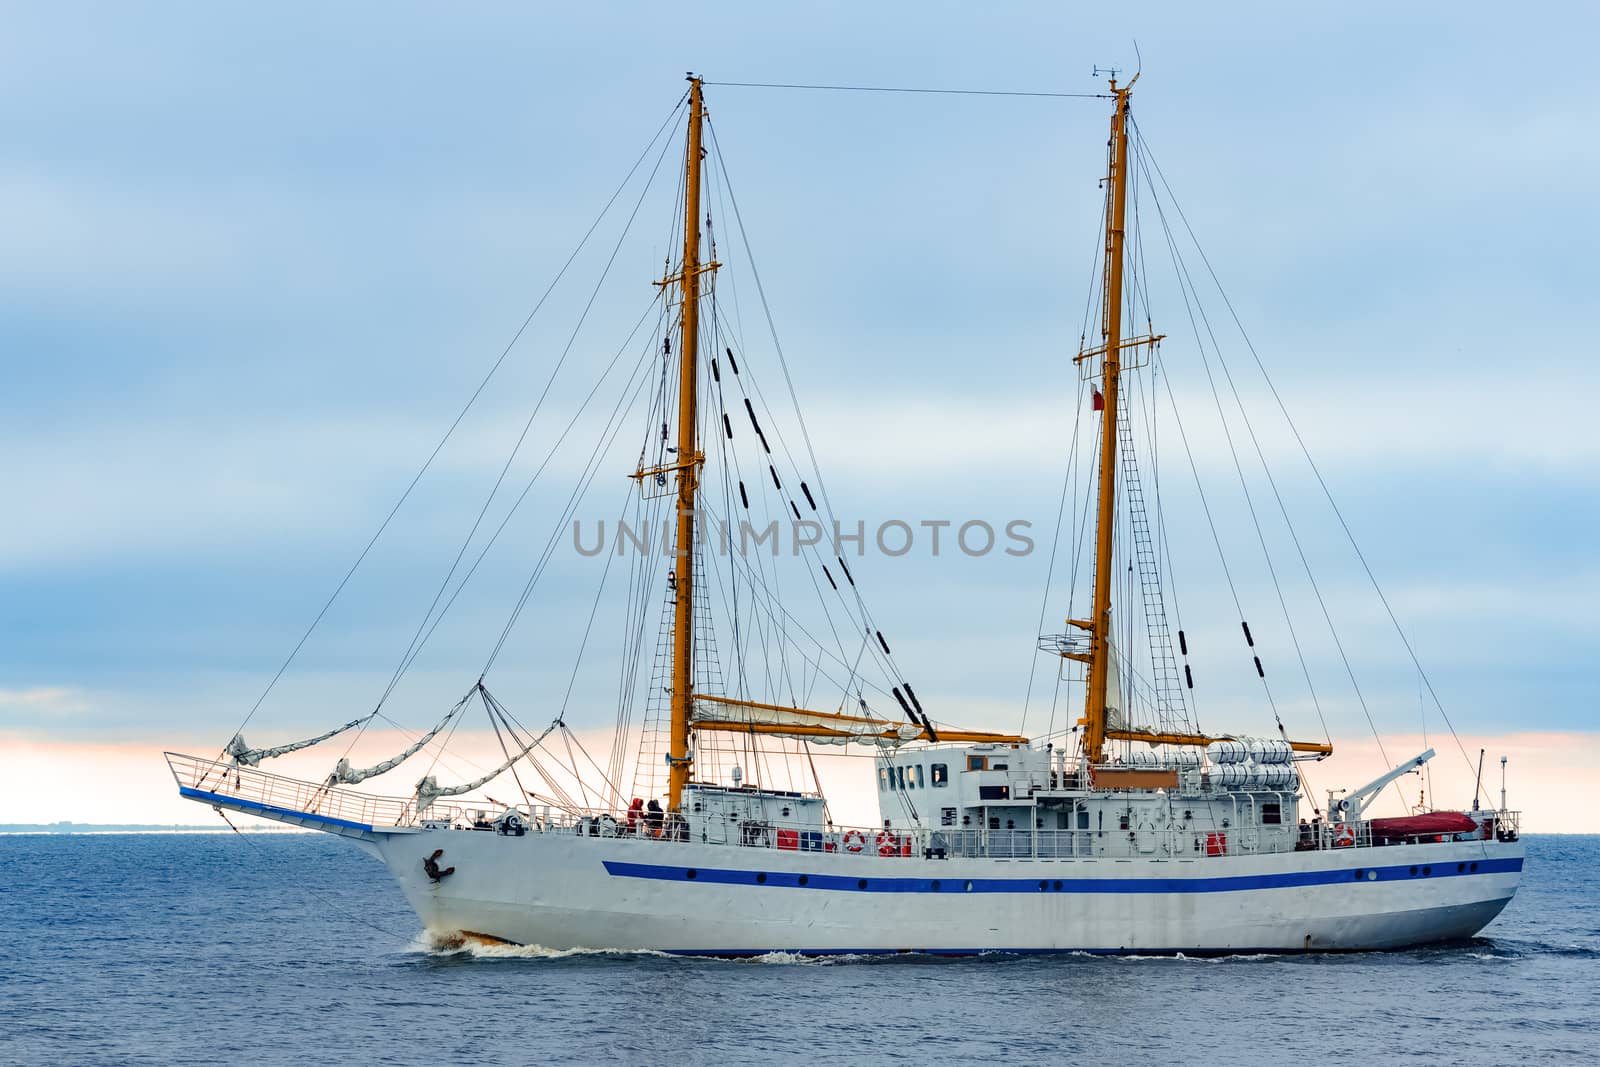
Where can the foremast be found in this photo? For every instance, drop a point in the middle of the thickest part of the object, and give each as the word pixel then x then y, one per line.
pixel 679 758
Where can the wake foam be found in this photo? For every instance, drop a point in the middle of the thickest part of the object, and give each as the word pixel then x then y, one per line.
pixel 434 943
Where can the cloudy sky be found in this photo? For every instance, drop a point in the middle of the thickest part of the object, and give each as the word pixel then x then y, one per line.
pixel 253 262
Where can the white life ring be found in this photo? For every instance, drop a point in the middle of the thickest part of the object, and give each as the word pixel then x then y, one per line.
pixel 855 841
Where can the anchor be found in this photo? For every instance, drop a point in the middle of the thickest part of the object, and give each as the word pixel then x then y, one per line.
pixel 431 865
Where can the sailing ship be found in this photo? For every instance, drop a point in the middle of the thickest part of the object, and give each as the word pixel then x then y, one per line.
pixel 1128 831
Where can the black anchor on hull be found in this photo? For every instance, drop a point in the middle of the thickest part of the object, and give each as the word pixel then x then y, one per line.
pixel 431 865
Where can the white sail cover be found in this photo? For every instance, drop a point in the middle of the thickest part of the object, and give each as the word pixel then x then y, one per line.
pixel 344 774
pixel 429 789
pixel 837 729
pixel 243 755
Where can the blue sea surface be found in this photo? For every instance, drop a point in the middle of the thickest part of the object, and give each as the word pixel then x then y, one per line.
pixel 287 948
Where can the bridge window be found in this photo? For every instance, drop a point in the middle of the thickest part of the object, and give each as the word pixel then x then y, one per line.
pixel 883 778
pixel 977 763
pixel 1271 814
pixel 939 775
pixel 914 776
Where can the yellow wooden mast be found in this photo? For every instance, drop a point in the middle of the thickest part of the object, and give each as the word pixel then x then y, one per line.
pixel 689 459
pixel 1099 624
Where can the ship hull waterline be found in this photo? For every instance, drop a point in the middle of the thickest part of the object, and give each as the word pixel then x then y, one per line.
pixel 564 891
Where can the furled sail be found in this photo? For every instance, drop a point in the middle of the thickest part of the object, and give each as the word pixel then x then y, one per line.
pixel 429 790
pixel 822 727
pixel 344 774
pixel 243 755
pixel 819 727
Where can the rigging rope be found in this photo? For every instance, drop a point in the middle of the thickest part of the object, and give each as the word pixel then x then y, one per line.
pixel 1186 287
pixel 889 667
pixel 462 414
pixel 910 89
pixel 533 479
pixel 1306 452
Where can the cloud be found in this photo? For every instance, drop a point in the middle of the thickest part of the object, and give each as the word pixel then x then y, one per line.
pixel 42 702
pixel 241 307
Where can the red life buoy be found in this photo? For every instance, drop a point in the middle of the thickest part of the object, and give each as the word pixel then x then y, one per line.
pixel 855 841
pixel 888 844
pixel 1344 835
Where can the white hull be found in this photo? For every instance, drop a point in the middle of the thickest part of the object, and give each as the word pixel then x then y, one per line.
pixel 564 891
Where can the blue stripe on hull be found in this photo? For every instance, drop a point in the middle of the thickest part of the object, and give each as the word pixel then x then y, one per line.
pixel 1218 884
pixel 269 810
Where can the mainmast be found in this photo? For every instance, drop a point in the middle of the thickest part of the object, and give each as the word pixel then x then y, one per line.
pixel 679 759
pixel 1099 625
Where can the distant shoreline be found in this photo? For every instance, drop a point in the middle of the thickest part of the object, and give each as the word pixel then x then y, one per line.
pixel 70 828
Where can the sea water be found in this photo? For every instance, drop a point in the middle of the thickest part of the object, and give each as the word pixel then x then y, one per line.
pixel 258 949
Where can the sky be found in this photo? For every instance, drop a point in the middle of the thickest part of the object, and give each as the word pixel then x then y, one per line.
pixel 253 262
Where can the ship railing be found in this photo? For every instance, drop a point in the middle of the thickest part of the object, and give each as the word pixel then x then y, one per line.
pixel 931 842
pixel 1507 824
pixel 295 796
pixel 991 842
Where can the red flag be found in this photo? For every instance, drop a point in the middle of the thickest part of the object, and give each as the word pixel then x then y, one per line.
pixel 1099 401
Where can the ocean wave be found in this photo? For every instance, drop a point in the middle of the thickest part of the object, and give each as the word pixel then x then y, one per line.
pixel 465 945
pixel 1510 948
pixel 792 959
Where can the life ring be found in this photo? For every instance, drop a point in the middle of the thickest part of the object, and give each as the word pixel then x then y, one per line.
pixel 888 844
pixel 1344 835
pixel 855 841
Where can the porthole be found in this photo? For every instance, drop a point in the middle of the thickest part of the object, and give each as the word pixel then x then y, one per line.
pixel 1426 871
pixel 1460 867
pixel 1372 876
pixel 1472 866
pixel 690 873
pixel 804 879
pixel 861 884
pixel 1058 885
pixel 761 879
pixel 1043 886
pixel 969 887
pixel 935 885
pixel 1360 875
pixel 1413 872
